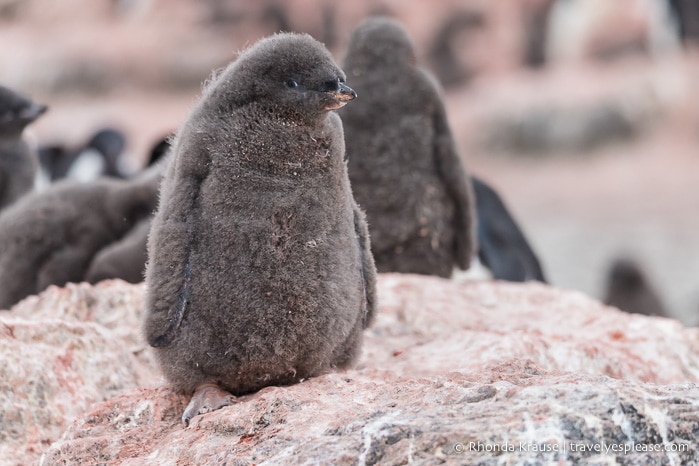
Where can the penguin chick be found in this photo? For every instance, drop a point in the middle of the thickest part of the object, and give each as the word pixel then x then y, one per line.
pixel 259 267
pixel 124 259
pixel 50 237
pixel 502 247
pixel 628 289
pixel 18 164
pixel 403 162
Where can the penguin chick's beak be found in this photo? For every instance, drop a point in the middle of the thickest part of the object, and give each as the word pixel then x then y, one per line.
pixel 342 94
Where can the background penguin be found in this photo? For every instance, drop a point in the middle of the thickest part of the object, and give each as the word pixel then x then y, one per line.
pixel 50 237
pixel 502 247
pixel 405 169
pixel 124 259
pixel 100 156
pixel 54 161
pixel 628 289
pixel 18 164
pixel 259 267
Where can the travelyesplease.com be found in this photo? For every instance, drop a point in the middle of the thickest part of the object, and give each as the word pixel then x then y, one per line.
pixel 606 448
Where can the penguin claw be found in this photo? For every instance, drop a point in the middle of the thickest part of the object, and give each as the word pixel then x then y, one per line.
pixel 207 397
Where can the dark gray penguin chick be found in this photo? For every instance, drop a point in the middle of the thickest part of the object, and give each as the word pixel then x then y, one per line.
pixel 629 289
pixel 260 271
pixel 502 247
pixel 18 164
pixel 124 259
pixel 405 169
pixel 50 237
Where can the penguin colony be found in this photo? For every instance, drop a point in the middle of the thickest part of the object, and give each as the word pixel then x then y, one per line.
pixel 260 270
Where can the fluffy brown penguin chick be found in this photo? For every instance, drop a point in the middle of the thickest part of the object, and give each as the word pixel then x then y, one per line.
pixel 404 165
pixel 124 259
pixel 50 237
pixel 259 269
pixel 18 164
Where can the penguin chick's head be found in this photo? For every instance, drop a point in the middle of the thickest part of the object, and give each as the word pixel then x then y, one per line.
pixel 109 142
pixel 17 111
pixel 378 41
pixel 288 73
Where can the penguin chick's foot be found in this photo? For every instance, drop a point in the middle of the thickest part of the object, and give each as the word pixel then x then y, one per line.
pixel 207 397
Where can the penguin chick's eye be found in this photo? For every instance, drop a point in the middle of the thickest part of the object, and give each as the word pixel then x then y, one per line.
pixel 291 83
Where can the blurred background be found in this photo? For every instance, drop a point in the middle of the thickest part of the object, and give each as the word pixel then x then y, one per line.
pixel 583 114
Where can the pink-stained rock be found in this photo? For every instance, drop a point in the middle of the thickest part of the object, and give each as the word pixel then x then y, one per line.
pixel 374 417
pixel 113 304
pixel 51 372
pixel 429 326
pixel 455 372
pixel 62 351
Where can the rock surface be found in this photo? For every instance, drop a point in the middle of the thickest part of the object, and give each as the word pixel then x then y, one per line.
pixel 455 372
pixel 61 352
pixel 375 417
pixel 52 371
pixel 112 304
pixel 429 327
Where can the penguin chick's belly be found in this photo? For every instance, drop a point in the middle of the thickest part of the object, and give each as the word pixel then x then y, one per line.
pixel 274 298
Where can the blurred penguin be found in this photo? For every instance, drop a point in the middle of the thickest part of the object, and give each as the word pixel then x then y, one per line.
pixel 102 155
pixel 628 289
pixel 686 15
pixel 124 259
pixel 51 237
pixel 18 163
pixel 403 162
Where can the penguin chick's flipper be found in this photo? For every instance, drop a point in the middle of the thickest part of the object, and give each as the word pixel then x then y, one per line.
pixel 165 317
pixel 207 397
pixel 457 182
pixel 367 263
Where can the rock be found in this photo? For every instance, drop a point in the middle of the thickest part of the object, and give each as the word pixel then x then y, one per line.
pixel 62 351
pixel 374 417
pixel 424 322
pixel 538 114
pixel 51 372
pixel 113 304
pixel 549 129
pixel 452 372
